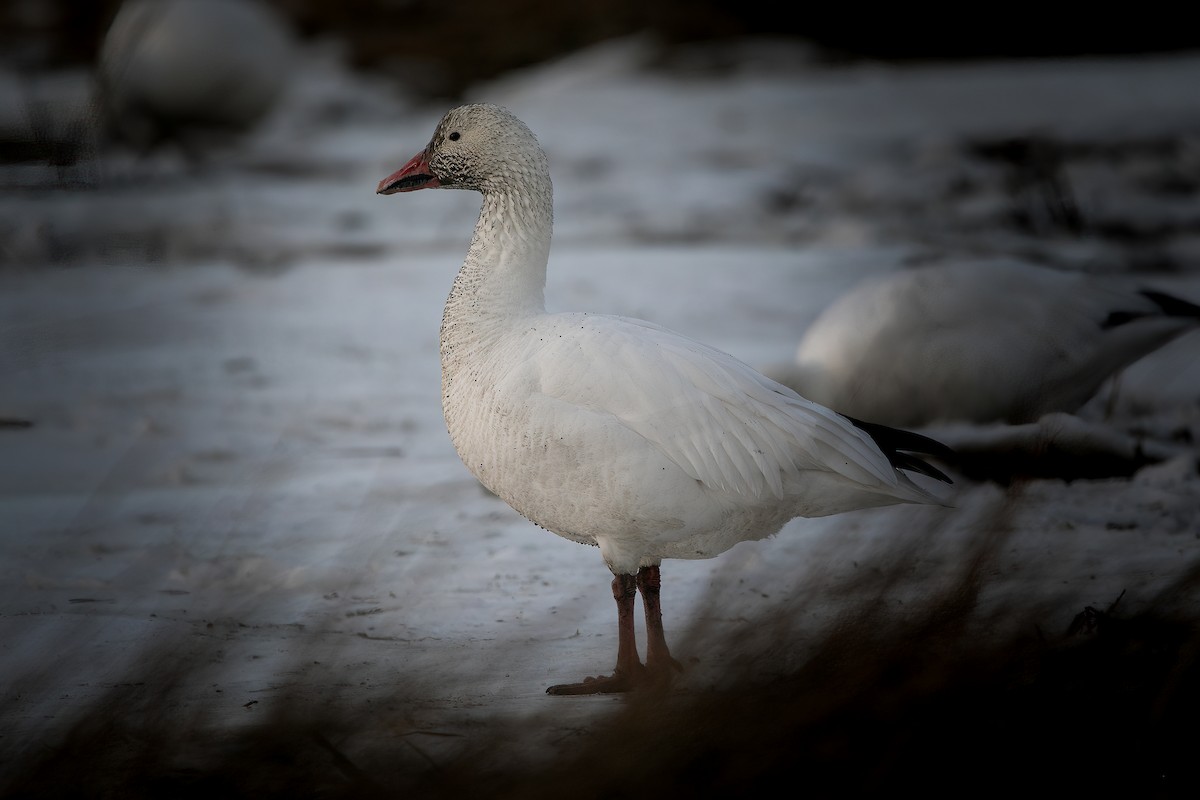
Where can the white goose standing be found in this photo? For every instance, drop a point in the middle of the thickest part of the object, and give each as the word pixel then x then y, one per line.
pixel 616 432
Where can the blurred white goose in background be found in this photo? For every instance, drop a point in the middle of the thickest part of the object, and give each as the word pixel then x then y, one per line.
pixel 992 341
pixel 616 432
pixel 991 357
pixel 191 71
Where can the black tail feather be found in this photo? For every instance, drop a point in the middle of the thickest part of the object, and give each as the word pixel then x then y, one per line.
pixel 900 445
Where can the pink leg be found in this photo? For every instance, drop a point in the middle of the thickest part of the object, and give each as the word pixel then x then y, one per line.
pixel 629 671
pixel 660 667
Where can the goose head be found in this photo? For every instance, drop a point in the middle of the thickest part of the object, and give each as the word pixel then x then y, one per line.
pixel 481 147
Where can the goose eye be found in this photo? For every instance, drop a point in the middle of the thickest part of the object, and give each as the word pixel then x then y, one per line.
pixel 454 136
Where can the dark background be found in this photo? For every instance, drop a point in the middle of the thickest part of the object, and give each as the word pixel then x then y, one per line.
pixel 469 40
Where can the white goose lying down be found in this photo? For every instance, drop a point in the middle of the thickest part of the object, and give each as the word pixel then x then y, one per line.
pixel 612 431
pixel 1000 341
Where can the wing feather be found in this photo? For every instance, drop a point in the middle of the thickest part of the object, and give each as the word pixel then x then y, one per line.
pixel 722 422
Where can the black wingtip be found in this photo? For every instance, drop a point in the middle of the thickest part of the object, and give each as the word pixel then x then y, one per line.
pixel 1169 305
pixel 900 446
pixel 1172 306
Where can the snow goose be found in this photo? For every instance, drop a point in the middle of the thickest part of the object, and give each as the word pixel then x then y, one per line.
pixel 616 432
pixel 192 71
pixel 994 341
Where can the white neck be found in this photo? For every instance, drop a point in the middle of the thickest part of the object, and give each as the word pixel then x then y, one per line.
pixel 505 268
pixel 504 275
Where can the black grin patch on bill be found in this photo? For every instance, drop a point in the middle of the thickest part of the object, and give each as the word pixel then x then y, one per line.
pixel 409 182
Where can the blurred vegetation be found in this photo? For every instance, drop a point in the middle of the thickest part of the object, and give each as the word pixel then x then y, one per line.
pixel 886 707
pixel 932 696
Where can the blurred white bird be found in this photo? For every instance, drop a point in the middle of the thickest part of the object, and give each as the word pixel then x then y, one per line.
pixel 993 341
pixel 615 432
pixel 191 71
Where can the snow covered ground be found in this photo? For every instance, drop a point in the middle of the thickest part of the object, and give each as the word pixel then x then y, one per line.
pixel 235 499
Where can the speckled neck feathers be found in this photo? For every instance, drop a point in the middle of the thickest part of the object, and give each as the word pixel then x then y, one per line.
pixel 504 274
